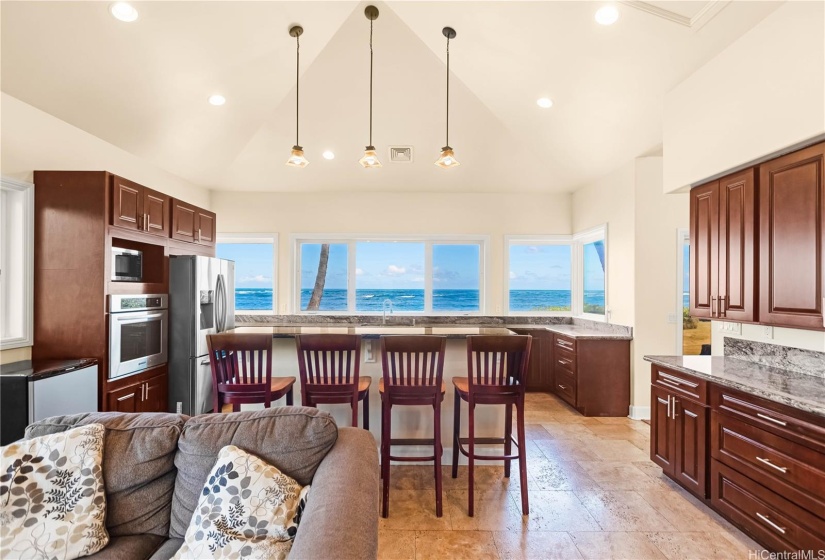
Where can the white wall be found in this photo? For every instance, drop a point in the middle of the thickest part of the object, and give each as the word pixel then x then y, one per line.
pixel 33 140
pixel 494 215
pixel 763 93
pixel 642 267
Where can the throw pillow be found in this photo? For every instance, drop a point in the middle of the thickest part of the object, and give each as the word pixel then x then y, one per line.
pixel 52 500
pixel 248 509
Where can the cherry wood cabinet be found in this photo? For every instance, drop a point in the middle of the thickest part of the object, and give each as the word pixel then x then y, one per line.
pixel 192 224
pixel 139 208
pixel 592 374
pixel 143 392
pixel 540 368
pixel 722 232
pixel 679 427
pixel 792 239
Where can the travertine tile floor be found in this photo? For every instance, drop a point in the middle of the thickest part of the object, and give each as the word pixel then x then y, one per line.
pixel 593 494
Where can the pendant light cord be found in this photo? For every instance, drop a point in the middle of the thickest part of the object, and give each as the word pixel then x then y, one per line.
pixel 371 82
pixel 297 84
pixel 448 91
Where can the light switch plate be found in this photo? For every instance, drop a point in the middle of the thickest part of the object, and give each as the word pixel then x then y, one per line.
pixel 767 331
pixel 369 354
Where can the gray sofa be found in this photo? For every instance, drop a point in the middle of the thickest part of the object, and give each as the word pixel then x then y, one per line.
pixel 155 465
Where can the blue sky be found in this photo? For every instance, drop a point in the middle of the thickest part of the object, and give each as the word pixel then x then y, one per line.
pixel 394 265
pixel 540 267
pixel 253 263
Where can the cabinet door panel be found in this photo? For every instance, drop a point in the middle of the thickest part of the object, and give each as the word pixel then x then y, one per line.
pixel 737 276
pixel 184 221
pixel 704 249
pixel 661 431
pixel 690 460
pixel 792 210
pixel 156 212
pixel 206 227
pixel 127 204
pixel 127 399
pixel 156 394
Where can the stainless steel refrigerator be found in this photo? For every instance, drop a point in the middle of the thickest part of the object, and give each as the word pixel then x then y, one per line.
pixel 201 302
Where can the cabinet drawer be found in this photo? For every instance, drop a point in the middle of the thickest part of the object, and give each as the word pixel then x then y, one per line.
pixel 565 359
pixel 796 425
pixel 566 385
pixel 788 468
pixel 680 383
pixel 770 518
pixel 565 342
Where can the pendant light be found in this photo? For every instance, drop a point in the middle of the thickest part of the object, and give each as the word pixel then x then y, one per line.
pixel 296 158
pixel 447 158
pixel 370 159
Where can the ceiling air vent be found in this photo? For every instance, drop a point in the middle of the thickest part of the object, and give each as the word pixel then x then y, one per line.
pixel 401 154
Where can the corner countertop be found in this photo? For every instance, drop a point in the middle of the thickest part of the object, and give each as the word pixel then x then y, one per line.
pixel 577 331
pixel 373 331
pixel 799 390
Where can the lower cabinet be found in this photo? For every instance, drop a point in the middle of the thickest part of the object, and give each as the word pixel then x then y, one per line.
pixel 540 368
pixel 143 392
pixel 678 430
pixel 592 374
pixel 759 463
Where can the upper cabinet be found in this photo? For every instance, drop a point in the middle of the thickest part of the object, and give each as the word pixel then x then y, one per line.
pixel 192 224
pixel 139 208
pixel 722 226
pixel 758 243
pixel 792 240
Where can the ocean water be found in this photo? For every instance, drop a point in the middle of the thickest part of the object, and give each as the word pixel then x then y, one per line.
pixel 413 300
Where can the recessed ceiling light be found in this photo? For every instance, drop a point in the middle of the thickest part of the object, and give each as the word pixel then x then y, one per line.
pixel 328 155
pixel 544 102
pixel 123 11
pixel 217 100
pixel 607 15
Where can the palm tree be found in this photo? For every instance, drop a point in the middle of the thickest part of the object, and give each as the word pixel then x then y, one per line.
pixel 320 279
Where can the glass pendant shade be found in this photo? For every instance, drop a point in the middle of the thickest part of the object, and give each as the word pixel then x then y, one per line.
pixel 296 158
pixel 370 159
pixel 447 158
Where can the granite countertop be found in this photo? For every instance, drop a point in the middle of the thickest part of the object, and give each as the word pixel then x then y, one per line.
pixel 577 331
pixel 40 369
pixel 374 331
pixel 799 390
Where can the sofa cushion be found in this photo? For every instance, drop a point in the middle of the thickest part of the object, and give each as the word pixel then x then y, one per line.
pixel 292 439
pixel 133 547
pixel 167 549
pixel 51 495
pixel 138 466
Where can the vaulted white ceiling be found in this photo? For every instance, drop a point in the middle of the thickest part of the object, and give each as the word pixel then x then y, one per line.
pixel 143 86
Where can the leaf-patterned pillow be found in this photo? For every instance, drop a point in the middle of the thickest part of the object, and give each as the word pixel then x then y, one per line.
pixel 52 499
pixel 248 509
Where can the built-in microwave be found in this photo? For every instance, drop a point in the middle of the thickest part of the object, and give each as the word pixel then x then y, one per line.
pixel 127 265
pixel 138 333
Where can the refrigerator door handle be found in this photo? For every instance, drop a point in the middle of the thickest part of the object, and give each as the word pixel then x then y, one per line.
pixel 220 304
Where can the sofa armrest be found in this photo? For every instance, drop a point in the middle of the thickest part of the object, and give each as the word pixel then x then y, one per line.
pixel 341 515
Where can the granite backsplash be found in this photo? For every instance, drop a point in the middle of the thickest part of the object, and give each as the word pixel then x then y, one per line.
pixel 808 362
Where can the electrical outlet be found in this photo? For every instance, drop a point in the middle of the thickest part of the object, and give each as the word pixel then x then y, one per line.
pixel 179 408
pixel 369 355
pixel 767 331
pixel 671 318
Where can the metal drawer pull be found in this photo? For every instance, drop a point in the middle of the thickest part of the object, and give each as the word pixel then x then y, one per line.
pixel 774 420
pixel 564 343
pixel 563 388
pixel 675 380
pixel 783 470
pixel 771 523
pixel 564 362
pixel 668 407
pixel 669 384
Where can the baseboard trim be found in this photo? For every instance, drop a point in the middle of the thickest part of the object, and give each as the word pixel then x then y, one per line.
pixel 640 412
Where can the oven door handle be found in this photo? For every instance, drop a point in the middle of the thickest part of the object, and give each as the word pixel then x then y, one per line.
pixel 138 317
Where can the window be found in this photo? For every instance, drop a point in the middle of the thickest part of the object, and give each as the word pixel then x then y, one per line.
pixel 559 274
pixel 254 258
pixel 540 276
pixel 16 263
pixel 365 275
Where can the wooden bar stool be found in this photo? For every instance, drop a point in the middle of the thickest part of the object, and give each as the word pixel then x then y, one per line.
pixel 329 366
pixel 413 368
pixel 496 367
pixel 242 372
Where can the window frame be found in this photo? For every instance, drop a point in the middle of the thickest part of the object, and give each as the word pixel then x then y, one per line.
pixel 26 328
pixel 510 240
pixel 351 240
pixel 580 239
pixel 255 239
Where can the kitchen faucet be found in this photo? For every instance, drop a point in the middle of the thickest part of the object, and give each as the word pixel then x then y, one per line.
pixel 384 310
